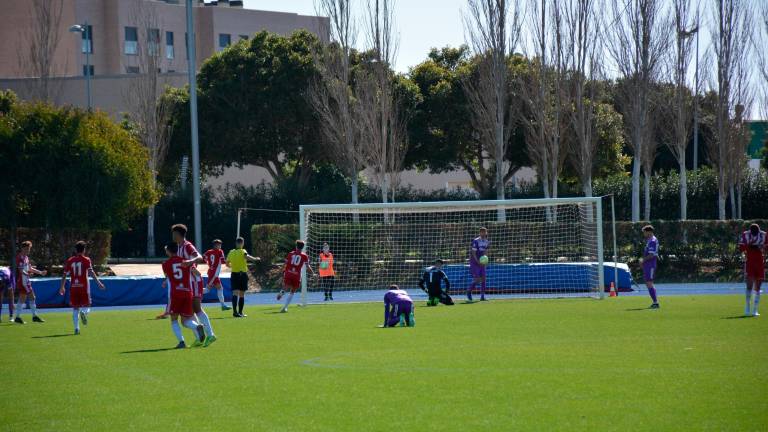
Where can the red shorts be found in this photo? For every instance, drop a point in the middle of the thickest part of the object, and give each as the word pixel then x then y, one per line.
pixel 213 281
pixel 754 270
pixel 79 297
pixel 26 289
pixel 197 287
pixel 181 306
pixel 291 282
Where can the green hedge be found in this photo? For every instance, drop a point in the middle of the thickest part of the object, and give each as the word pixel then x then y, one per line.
pixel 53 248
pixel 693 251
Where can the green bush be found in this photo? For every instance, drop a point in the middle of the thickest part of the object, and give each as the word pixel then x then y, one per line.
pixel 53 248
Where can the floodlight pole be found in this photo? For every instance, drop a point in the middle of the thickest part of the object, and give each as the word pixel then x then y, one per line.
pixel 191 70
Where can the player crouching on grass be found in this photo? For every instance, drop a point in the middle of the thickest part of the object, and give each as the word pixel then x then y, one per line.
pixel 24 284
pixel 180 298
pixel 6 285
pixel 214 257
pixel 431 282
pixel 398 308
pixel 78 268
pixel 753 243
pixel 650 260
pixel 294 261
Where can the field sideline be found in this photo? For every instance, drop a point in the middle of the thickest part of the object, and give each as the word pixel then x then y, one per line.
pixel 571 364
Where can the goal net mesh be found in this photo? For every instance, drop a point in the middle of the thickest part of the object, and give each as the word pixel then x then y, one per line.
pixel 544 249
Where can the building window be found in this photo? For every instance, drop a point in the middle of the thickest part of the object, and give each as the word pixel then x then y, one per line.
pixel 87 45
pixel 169 53
pixel 131 41
pixel 153 41
pixel 132 69
pixel 224 40
pixel 243 37
pixel 87 69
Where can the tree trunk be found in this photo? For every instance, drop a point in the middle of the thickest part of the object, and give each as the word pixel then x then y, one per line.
pixel 636 189
pixel 733 201
pixel 587 187
pixel 722 193
pixel 683 191
pixel 354 189
pixel 151 232
pixel 720 205
pixel 739 188
pixel 647 195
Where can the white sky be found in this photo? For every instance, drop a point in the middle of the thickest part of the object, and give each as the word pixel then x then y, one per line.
pixel 422 24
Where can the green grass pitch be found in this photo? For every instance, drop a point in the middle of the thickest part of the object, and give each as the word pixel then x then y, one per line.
pixel 578 364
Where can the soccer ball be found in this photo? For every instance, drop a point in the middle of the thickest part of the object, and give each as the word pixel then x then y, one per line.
pixel 483 260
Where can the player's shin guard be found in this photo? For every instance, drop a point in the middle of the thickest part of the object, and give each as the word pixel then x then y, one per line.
pixel 220 295
pixel 652 293
pixel 19 307
pixel 202 317
pixel 177 330
pixel 234 303
pixel 757 302
pixel 749 301
pixel 76 318
pixel 241 304
pixel 482 289
pixel 33 307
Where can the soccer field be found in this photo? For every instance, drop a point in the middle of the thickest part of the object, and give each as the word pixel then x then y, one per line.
pixel 575 364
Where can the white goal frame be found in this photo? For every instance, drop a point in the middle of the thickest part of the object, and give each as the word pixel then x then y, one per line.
pixel 304 210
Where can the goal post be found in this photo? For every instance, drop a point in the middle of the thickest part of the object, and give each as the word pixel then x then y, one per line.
pixel 538 247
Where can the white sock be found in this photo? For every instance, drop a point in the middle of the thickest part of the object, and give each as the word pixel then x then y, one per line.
pixel 192 325
pixel 177 330
pixel 202 318
pixel 33 306
pixel 220 295
pixel 18 309
pixel 288 300
pixel 757 301
pixel 75 318
pixel 749 298
pixel 87 310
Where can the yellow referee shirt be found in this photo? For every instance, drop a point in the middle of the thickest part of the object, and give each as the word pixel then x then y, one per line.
pixel 236 259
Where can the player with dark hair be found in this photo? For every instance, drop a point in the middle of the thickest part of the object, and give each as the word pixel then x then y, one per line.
pixel 650 261
pixel 24 272
pixel 327 273
pixel 180 301
pixel 78 268
pixel 237 260
pixel 214 257
pixel 431 282
pixel 398 308
pixel 191 258
pixel 754 244
pixel 294 261
pixel 477 263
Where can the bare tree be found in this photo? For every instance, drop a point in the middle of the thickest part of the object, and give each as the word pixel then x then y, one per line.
pixel 377 109
pixel 545 93
pixel 638 42
pixel 37 59
pixel 582 47
pixel 730 43
pixel 331 95
pixel 761 48
pixel 740 135
pixel 147 110
pixel 493 30
pixel 680 111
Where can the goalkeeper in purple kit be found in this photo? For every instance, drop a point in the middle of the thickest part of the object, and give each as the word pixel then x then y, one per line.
pixel 398 308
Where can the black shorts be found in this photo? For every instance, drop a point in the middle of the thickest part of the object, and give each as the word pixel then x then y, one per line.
pixel 239 281
pixel 327 282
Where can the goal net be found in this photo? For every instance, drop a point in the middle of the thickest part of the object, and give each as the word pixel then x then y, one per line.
pixel 538 247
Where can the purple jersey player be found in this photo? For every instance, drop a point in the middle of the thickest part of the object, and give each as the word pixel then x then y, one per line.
pixel 650 258
pixel 6 285
pixel 478 249
pixel 398 308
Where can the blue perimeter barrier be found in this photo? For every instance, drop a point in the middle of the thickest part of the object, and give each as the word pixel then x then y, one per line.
pixel 528 277
pixel 120 291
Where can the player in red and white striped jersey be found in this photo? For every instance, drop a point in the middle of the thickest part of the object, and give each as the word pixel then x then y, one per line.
pixel 78 268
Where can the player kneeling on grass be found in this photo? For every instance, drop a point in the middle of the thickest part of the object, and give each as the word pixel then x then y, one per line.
pixel 398 308
pixel 78 268
pixel 294 261
pixel 753 243
pixel 214 257
pixel 180 281
pixel 650 260
pixel 431 282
